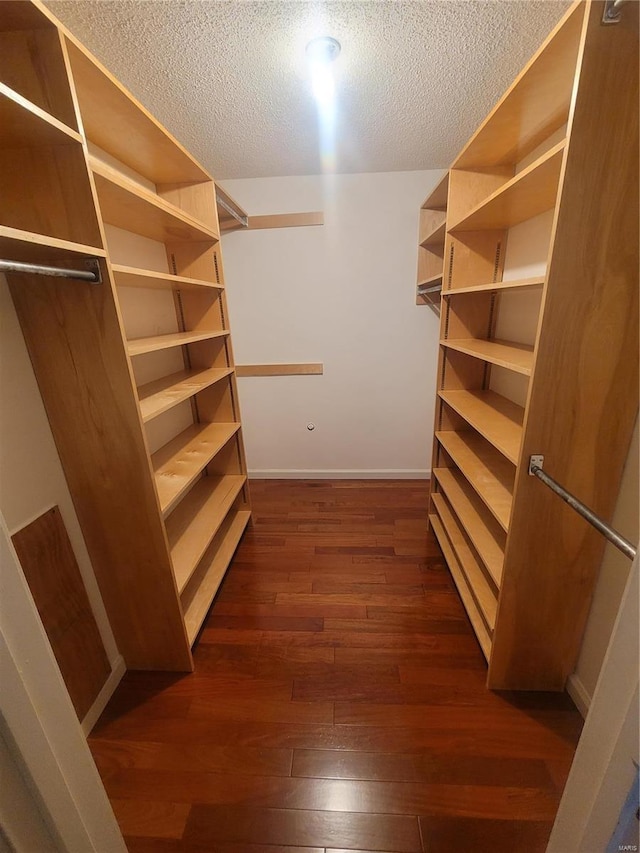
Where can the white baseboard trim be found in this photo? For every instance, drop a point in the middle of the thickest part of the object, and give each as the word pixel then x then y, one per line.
pixel 108 689
pixel 579 694
pixel 340 474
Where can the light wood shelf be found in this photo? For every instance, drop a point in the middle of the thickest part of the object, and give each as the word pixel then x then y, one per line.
pixel 178 464
pixel 512 356
pixel 159 396
pixel 488 472
pixel 115 121
pixel 437 198
pixel 139 346
pixel 497 419
pixel 477 622
pixel 536 104
pixel 149 279
pixel 497 286
pixel 434 279
pixel 436 236
pixel 487 536
pixel 78 152
pixel 22 245
pixel 529 193
pixel 196 520
pixel 541 149
pixel 199 594
pixel 128 205
pixel 25 124
pixel 483 594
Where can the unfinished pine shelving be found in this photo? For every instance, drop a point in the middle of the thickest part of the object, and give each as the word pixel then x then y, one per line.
pixel 539 343
pixel 136 372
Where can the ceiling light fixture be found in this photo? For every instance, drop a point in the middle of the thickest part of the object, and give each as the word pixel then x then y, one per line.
pixel 323 50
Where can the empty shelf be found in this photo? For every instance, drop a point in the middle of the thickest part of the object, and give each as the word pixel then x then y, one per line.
pixel 487 471
pixel 482 592
pixel 496 418
pixel 516 284
pixel 196 520
pixel 529 193
pixel 139 346
pixel 435 237
pixel 19 245
pixel 134 277
pixel 482 529
pixel 470 606
pixel 129 205
pixel 162 394
pixel 201 590
pixel 178 463
pixel 23 124
pixel 516 357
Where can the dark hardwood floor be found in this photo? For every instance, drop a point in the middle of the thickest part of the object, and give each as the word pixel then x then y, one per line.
pixel 338 701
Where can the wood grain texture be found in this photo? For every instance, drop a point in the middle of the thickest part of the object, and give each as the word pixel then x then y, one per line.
pixel 51 570
pixel 316 725
pixel 115 121
pixel 308 369
pixel 286 220
pixel 586 371
pixel 74 339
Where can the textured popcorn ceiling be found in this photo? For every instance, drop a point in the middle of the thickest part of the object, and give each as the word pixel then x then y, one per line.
pixel 229 78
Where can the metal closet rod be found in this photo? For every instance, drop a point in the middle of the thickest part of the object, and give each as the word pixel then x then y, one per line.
pixel 622 544
pixel 434 288
pixel 243 220
pixel 91 275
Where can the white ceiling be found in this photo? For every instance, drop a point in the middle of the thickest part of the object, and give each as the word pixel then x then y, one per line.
pixel 228 77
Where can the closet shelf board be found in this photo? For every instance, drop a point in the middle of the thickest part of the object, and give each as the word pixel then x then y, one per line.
pixel 529 193
pixel 25 125
pixel 512 356
pixel 499 286
pixel 116 122
pixel 484 595
pixel 128 205
pixel 484 532
pixel 487 471
pixel 200 592
pixel 133 277
pixel 196 520
pixel 177 465
pixel 139 346
pixel 492 415
pixel 163 394
pixel 476 619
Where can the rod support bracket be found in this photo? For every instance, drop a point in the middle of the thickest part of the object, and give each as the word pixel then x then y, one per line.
pixel 611 14
pixel 93 265
pixel 535 461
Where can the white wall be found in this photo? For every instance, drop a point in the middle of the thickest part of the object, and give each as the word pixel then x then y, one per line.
pixel 342 294
pixel 31 476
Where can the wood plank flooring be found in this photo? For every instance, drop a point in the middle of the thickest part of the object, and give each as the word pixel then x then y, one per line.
pixel 338 702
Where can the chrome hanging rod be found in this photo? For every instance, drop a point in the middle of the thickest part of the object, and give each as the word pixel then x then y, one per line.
pixel 92 275
pixel 243 220
pixel 435 288
pixel 622 544
pixel 611 14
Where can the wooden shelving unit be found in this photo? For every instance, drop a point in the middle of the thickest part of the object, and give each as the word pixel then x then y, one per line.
pixel 146 421
pixel 431 237
pixel 543 364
